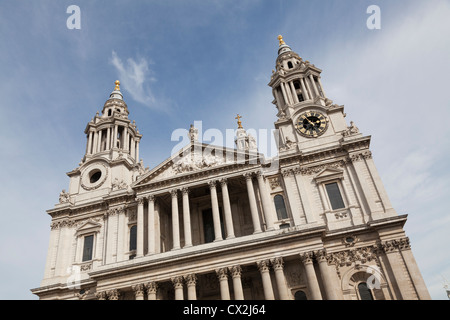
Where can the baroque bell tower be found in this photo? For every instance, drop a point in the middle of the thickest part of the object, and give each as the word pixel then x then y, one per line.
pixel 111 161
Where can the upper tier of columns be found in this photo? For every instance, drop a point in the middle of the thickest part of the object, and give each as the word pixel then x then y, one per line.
pixel 268 209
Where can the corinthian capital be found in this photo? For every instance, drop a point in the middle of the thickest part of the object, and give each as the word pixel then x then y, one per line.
pixel 307 257
pixel 263 265
pixel 138 289
pixel 140 200
pixel 222 273
pixel 277 263
pixel 236 271
pixel 151 287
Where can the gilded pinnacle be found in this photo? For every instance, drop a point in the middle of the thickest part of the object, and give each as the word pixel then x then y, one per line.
pixel 280 38
pixel 117 88
pixel 239 122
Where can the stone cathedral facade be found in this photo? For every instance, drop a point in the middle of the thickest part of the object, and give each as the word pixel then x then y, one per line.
pixel 219 223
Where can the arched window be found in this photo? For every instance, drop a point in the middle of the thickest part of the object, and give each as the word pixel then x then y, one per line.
pixel 290 65
pixel 280 207
pixel 364 292
pixel 133 237
pixel 300 295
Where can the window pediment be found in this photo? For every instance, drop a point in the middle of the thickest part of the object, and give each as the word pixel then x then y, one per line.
pixel 88 227
pixel 328 174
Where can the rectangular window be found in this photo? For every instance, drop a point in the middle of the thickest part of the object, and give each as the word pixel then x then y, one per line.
pixel 88 247
pixel 335 196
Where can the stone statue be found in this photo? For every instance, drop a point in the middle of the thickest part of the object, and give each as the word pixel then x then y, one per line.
pixel 193 133
pixel 64 196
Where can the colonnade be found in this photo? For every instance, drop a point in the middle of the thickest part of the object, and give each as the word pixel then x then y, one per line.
pixel 267 205
pixel 268 268
pixel 309 86
pixel 96 138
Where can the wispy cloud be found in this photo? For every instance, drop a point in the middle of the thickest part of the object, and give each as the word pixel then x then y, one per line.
pixel 135 77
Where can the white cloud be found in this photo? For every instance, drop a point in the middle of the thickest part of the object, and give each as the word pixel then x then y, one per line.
pixel 135 78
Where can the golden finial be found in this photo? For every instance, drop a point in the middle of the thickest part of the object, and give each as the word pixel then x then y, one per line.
pixel 117 88
pixel 280 38
pixel 239 121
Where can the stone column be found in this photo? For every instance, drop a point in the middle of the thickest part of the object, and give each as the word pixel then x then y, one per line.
pixel 137 150
pixel 263 267
pixel 278 266
pixel 133 148
pixel 215 211
pixel 191 281
pixel 252 201
pixel 411 265
pixel 138 291
pixel 113 294
pixel 178 286
pixel 186 218
pixel 268 205
pixel 175 220
pixel 89 151
pixel 223 281
pixel 310 93
pixel 116 128
pixel 311 278
pixel 236 272
pixel 108 138
pixel 328 278
pixel 287 101
pixel 140 228
pixel 304 91
pixel 311 77
pixel 100 141
pixel 151 288
pixel 227 209
pixel 294 92
pixel 151 224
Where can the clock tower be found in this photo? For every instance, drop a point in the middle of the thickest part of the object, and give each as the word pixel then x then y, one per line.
pixel 304 111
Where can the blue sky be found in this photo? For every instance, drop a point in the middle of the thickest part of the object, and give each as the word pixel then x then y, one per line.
pixel 186 61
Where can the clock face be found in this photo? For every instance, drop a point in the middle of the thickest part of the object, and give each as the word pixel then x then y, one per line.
pixel 311 124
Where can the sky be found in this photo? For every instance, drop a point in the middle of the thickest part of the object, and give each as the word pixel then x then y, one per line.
pixel 181 62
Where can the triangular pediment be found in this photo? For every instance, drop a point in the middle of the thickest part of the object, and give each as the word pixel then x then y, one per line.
pixel 195 158
pixel 88 227
pixel 329 173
